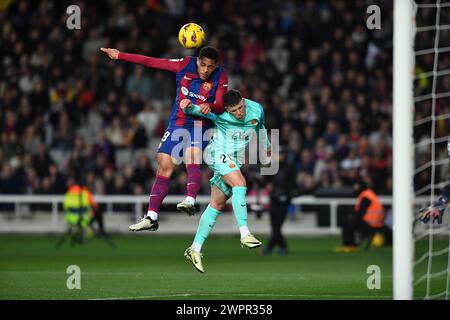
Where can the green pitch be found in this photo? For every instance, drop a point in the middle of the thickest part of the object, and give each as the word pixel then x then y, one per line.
pixel 152 266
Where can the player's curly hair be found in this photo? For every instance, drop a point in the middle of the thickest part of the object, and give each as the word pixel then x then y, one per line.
pixel 210 53
pixel 231 98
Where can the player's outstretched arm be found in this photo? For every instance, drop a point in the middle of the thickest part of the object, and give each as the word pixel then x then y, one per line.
pixel 173 65
pixel 189 108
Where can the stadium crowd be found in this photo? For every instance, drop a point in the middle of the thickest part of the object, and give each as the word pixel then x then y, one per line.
pixel 323 78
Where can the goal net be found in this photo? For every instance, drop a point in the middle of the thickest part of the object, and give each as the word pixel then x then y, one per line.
pixel 431 130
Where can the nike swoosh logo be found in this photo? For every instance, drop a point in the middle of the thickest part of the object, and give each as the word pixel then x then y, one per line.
pixel 243 205
pixel 187 78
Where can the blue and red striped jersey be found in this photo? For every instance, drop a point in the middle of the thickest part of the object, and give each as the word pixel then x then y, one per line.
pixel 189 85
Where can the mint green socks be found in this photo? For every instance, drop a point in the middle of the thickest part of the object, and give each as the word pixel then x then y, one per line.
pixel 205 225
pixel 209 218
pixel 239 203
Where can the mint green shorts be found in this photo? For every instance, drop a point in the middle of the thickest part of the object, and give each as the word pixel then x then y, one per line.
pixel 222 167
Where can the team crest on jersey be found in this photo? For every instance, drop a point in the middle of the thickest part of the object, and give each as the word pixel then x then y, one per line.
pixel 254 122
pixel 232 165
pixel 207 86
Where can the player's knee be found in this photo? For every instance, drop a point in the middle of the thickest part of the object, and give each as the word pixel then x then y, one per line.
pixel 219 206
pixel 240 183
pixel 164 168
pixel 164 171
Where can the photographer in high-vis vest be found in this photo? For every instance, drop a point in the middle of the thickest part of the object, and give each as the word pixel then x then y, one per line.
pixel 79 205
pixel 79 211
pixel 368 217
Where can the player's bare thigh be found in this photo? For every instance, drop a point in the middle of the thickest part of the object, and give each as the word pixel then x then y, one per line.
pixel 166 164
pixel 235 179
pixel 218 198
pixel 193 155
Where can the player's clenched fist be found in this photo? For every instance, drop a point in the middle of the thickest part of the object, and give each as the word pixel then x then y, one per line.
pixel 185 103
pixel 205 108
pixel 112 53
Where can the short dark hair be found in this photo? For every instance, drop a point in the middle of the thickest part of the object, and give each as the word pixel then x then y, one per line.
pixel 231 98
pixel 210 53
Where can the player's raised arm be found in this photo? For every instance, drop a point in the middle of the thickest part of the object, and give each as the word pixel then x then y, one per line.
pixel 173 65
pixel 189 108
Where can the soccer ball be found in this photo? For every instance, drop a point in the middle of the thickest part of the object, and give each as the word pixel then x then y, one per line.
pixel 191 36
pixel 378 240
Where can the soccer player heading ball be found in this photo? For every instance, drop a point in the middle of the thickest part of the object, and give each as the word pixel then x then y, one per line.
pixel 202 81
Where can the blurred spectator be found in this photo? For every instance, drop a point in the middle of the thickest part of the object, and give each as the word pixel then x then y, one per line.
pixel 135 135
pixel 57 180
pixel 139 83
pixel 116 133
pixel 143 172
pixel 42 161
pixel 148 118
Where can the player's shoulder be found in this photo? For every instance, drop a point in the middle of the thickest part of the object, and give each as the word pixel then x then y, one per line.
pixel 254 107
pixel 187 64
pixel 221 69
pixel 220 74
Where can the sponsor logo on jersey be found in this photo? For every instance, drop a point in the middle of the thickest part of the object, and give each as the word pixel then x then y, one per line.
pixel 188 93
pixel 241 135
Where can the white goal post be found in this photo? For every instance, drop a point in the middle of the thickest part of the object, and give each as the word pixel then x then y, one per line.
pixel 403 150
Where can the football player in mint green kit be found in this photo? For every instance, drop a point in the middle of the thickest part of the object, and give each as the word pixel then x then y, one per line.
pixel 233 131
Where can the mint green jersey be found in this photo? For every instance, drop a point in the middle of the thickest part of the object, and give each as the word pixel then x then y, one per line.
pixel 232 136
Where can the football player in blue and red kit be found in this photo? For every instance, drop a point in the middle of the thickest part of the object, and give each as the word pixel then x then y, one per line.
pixel 204 82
